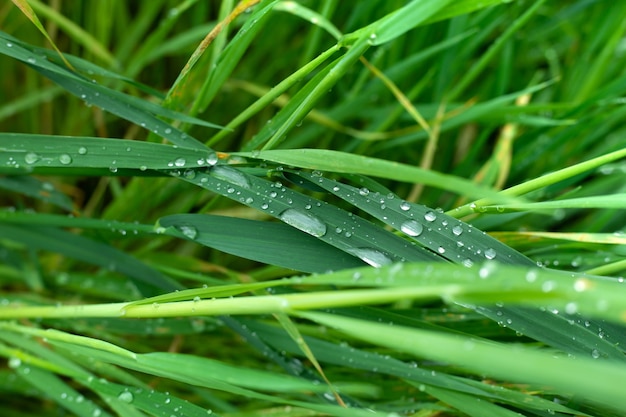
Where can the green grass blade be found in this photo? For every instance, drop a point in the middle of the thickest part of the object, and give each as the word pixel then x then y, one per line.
pixel 148 280
pixel 480 356
pixel 261 241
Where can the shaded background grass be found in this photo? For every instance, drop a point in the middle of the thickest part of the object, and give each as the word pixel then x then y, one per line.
pixel 464 76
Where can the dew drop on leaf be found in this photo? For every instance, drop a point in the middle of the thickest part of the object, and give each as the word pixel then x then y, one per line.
pixel 31 158
pixel 180 162
pixel 430 216
pixel 490 253
pixel 457 230
pixel 230 175
pixel 404 206
pixel 306 222
pixel 65 159
pixel 189 231
pixel 126 397
pixel 82 150
pixel 370 256
pixel 412 228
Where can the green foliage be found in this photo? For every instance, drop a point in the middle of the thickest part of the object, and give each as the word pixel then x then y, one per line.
pixel 313 208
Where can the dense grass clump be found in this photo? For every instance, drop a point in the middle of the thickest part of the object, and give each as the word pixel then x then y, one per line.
pixel 374 208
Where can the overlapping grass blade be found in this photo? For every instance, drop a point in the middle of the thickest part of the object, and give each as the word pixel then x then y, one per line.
pixel 270 243
pixel 450 238
pixel 480 356
pixel 147 280
pixel 37 151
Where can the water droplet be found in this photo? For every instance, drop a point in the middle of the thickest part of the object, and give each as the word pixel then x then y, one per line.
pixel 189 174
pixel 468 263
pixel 370 256
pixel 211 159
pixel 595 353
pixel 304 221
pixel 168 131
pixel 430 216
pixel 126 397
pixel 65 159
pixel 490 253
pixel 82 150
pixel 180 162
pixel 487 269
pixel 364 191
pixel 15 363
pixel 9 45
pixel 441 250
pixel 412 228
pixel 405 206
pixel 190 231
pixel 457 230
pixel 230 175
pixel 31 158
pixel 582 284
pixel 31 60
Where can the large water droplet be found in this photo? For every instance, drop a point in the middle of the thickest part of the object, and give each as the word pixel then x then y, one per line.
pixel 304 221
pixel 180 162
pixel 430 216
pixel 230 175
pixel 457 230
pixel 126 397
pixel 404 206
pixel 31 158
pixel 65 159
pixel 412 228
pixel 371 256
pixel 490 253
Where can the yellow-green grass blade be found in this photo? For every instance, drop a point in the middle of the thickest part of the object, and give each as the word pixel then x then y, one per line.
pixel 531 365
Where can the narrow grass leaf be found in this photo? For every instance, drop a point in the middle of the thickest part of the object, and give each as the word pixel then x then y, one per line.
pixel 60 392
pixel 37 151
pixel 310 16
pixel 343 162
pixel 492 359
pixel 398 22
pixel 444 235
pixel 331 224
pixel 270 243
pixel 35 188
pixel 149 400
pixel 147 280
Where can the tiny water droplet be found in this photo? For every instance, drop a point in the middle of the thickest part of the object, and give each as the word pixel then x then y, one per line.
pixel 412 228
pixel 168 131
pixel 65 159
pixel 430 216
pixel 14 363
pixel 126 397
